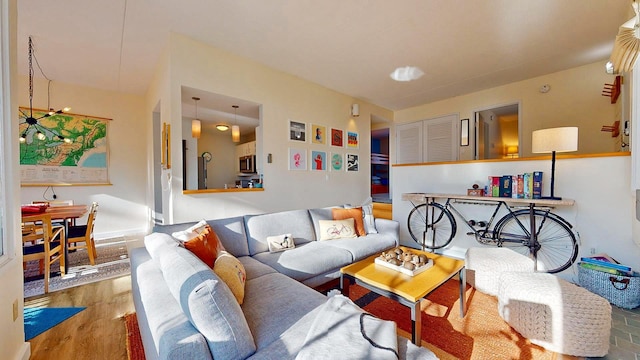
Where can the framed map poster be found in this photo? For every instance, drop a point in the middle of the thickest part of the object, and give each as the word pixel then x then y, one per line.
pixel 62 149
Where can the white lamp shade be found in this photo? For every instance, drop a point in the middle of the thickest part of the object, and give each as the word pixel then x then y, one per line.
pixel 560 139
pixel 196 128
pixel 235 133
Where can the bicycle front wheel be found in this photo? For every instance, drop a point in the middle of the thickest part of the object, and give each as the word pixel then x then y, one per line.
pixel 431 225
pixel 556 248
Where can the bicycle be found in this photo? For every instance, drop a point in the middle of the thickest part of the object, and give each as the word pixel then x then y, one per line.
pixel 553 243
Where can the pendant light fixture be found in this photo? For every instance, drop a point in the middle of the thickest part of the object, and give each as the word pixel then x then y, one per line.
pixel 196 125
pixel 34 128
pixel 235 129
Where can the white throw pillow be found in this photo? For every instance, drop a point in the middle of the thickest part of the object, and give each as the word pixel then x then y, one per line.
pixel 280 242
pixel 337 229
pixel 191 232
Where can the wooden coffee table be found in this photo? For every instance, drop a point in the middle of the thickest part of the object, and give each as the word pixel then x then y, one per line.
pixel 405 289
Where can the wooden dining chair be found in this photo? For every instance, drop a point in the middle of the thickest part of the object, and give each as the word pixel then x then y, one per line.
pixel 81 236
pixel 43 242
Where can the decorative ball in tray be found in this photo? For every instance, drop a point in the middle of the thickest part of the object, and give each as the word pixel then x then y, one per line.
pixel 404 261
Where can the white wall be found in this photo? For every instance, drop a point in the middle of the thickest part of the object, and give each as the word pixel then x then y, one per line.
pixel 12 343
pixel 283 97
pixel 603 214
pixel 123 204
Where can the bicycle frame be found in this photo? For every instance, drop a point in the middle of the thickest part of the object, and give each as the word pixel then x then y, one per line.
pixel 485 232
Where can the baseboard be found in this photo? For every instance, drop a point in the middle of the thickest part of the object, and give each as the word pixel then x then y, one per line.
pixel 120 233
pixel 25 352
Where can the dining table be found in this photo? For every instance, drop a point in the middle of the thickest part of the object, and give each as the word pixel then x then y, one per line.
pixel 66 214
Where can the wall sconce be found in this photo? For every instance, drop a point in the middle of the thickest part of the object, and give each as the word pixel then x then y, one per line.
pixel 355 110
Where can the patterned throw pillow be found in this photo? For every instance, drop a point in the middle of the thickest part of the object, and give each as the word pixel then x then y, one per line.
pixel 280 242
pixel 354 213
pixel 232 272
pixel 191 232
pixel 205 245
pixel 337 229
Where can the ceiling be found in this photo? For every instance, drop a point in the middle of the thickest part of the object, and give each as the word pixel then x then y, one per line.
pixel 351 46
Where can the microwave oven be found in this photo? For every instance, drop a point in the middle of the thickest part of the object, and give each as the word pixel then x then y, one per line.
pixel 248 164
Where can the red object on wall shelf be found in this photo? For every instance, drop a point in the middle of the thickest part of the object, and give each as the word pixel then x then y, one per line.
pixel 613 90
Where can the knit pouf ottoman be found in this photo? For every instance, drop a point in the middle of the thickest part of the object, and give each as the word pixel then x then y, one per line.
pixel 555 313
pixel 485 264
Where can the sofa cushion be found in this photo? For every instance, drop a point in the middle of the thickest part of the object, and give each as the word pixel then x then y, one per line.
pixel 155 243
pixel 231 233
pixel 208 303
pixel 166 331
pixel 351 213
pixel 255 268
pixel 259 227
pixel 337 229
pixel 287 301
pixel 318 214
pixel 232 272
pixel 364 246
pixel 307 260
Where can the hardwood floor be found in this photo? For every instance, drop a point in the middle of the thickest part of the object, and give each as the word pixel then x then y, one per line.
pixel 96 333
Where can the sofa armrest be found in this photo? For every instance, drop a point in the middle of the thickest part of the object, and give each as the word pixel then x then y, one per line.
pixel 389 227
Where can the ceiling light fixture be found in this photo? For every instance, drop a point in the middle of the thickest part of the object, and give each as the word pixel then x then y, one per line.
pixel 407 73
pixel 235 129
pixel 222 127
pixel 627 44
pixel 196 125
pixel 33 127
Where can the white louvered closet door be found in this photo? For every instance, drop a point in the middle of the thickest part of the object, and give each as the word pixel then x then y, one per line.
pixel 440 139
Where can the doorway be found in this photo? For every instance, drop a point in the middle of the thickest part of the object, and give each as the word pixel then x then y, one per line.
pixel 497 132
pixel 380 180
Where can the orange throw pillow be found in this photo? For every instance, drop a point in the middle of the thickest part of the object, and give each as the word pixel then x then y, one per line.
pixel 355 213
pixel 204 246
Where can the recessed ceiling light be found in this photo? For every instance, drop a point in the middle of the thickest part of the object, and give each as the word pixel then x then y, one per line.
pixel 406 73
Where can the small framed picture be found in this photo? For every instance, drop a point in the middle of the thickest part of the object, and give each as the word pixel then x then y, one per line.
pixel 297 131
pixel 337 162
pixel 318 134
pixel 297 159
pixel 352 162
pixel 464 132
pixel 336 137
pixel 353 140
pixel 318 160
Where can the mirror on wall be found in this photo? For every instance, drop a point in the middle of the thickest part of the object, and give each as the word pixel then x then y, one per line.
pixel 213 161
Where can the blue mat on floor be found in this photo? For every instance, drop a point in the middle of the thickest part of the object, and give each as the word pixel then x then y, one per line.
pixel 39 320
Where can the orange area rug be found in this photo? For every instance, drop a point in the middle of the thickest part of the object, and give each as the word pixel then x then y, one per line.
pixel 135 350
pixel 482 334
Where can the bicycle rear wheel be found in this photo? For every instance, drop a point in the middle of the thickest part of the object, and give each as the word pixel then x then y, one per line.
pixel 431 226
pixel 556 246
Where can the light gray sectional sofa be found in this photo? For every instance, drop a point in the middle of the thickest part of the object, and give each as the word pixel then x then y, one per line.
pixel 186 312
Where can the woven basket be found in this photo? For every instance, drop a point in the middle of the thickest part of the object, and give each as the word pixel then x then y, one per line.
pixel 622 291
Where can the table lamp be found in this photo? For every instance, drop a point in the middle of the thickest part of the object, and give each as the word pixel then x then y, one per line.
pixel 553 140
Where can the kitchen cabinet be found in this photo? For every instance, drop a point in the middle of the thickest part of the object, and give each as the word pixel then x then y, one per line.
pixel 248 148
